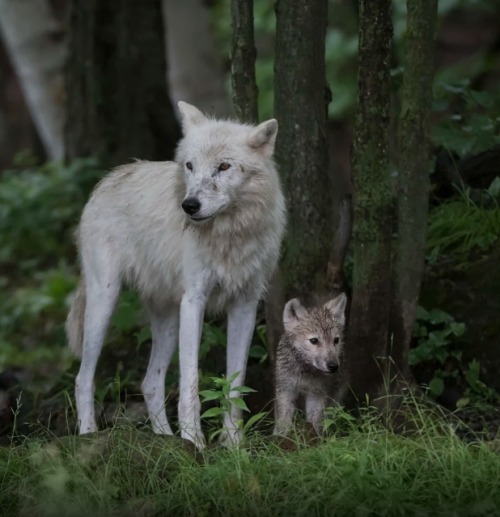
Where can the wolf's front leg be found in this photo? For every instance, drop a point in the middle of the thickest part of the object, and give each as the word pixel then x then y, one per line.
pixel 240 327
pixel 284 408
pixel 315 410
pixel 191 321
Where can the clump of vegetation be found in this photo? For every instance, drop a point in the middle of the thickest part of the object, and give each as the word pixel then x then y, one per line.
pixel 439 348
pixel 462 228
pixel 39 209
pixel 368 470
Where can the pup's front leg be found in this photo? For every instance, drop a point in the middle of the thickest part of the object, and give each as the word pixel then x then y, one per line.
pixel 284 408
pixel 191 321
pixel 315 410
pixel 240 327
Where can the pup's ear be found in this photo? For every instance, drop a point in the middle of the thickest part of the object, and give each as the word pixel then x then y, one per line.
pixel 293 313
pixel 337 307
pixel 191 116
pixel 263 137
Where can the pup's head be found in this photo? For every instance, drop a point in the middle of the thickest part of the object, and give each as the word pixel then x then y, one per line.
pixel 219 159
pixel 316 335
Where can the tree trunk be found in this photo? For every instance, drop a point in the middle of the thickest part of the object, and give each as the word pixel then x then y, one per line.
pixel 243 54
pixel 301 100
pixel 34 40
pixel 413 174
pixel 118 107
pixel 373 203
pixel 195 69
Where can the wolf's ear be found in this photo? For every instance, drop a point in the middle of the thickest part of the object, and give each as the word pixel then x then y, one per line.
pixel 191 116
pixel 263 137
pixel 293 313
pixel 337 307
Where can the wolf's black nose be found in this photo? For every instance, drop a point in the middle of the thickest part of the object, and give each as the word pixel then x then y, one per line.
pixel 191 205
pixel 333 367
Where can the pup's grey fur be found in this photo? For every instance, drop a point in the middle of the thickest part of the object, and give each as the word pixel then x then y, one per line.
pixel 309 361
pixel 204 230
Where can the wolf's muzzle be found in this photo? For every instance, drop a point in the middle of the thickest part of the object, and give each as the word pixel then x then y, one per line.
pixel 191 205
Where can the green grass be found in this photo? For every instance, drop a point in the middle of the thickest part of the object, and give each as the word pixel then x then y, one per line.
pixel 460 226
pixel 362 469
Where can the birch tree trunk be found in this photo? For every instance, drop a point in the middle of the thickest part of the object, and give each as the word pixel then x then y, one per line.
pixel 37 49
pixel 195 72
pixel 413 173
pixel 373 203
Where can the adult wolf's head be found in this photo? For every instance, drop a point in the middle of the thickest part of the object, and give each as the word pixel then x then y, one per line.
pixel 221 161
pixel 316 335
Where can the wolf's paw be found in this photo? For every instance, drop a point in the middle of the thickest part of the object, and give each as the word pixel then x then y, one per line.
pixel 163 429
pixel 88 427
pixel 196 437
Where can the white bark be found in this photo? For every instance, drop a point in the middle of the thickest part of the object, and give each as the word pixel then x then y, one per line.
pixel 195 70
pixel 33 41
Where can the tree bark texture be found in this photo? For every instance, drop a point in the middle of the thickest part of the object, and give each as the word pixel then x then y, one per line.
pixel 195 68
pixel 243 55
pixel 35 42
pixel 117 106
pixel 414 168
pixel 301 100
pixel 373 204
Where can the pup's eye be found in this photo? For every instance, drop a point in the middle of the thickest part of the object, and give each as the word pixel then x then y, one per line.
pixel 336 341
pixel 224 166
pixel 189 166
pixel 314 341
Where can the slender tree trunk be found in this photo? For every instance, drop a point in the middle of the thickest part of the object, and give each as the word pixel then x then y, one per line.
pixel 243 54
pixel 118 107
pixel 35 42
pixel 373 203
pixel 301 101
pixel 413 173
pixel 195 68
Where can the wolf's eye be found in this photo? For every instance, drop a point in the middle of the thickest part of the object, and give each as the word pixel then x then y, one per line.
pixel 189 166
pixel 336 340
pixel 314 341
pixel 224 166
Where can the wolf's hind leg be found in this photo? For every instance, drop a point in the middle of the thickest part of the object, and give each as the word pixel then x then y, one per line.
pixel 241 324
pixel 101 298
pixel 165 332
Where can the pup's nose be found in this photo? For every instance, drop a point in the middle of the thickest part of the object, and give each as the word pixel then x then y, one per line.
pixel 191 205
pixel 332 366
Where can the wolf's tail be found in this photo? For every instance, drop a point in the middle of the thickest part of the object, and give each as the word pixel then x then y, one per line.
pixel 74 321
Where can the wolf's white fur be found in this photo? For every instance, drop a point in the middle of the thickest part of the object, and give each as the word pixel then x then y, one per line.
pixel 134 230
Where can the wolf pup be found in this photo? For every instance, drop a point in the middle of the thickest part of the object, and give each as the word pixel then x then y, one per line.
pixel 308 358
pixel 204 230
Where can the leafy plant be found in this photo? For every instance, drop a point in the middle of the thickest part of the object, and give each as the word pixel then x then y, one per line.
pixel 223 395
pixel 436 333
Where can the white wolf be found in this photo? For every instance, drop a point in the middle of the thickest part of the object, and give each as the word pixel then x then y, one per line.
pixel 307 359
pixel 203 230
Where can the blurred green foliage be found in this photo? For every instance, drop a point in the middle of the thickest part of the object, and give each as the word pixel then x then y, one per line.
pixel 470 119
pixel 39 208
pixel 461 228
pixel 341 48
